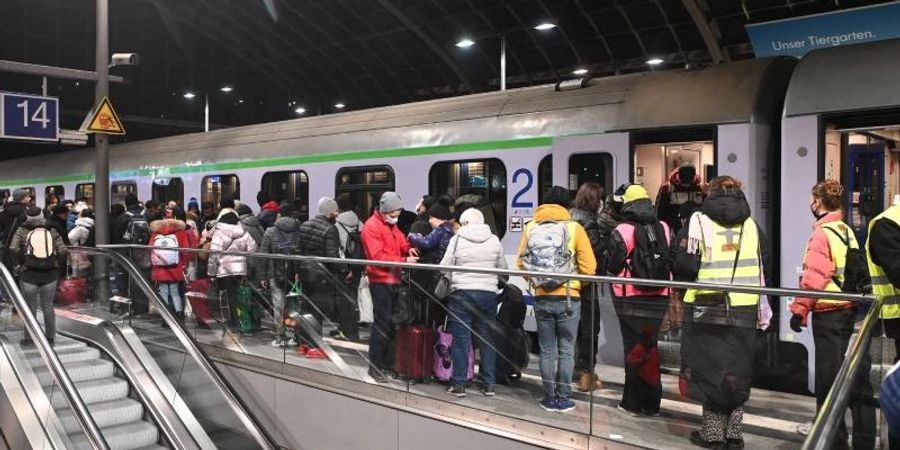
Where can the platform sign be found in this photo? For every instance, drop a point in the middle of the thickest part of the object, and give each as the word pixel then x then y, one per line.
pixel 105 120
pixel 29 117
pixel 801 35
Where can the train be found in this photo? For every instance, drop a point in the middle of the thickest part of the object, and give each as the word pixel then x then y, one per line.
pixel 778 124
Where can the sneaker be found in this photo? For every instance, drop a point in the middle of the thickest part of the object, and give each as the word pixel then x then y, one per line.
pixel 565 405
pixel 303 350
pixel 334 333
pixel 698 440
pixel 278 342
pixel 456 390
pixel 26 342
pixel 291 342
pixel 378 375
pixel 549 405
pixel 488 390
pixel 628 411
pixel 734 444
pixel 648 413
pixel 316 353
pixel 803 428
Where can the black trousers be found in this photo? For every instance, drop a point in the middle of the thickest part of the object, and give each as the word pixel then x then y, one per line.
pixel 831 334
pixel 640 319
pixel 588 331
pixel 228 290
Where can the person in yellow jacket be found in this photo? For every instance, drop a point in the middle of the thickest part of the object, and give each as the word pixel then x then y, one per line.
pixel 556 244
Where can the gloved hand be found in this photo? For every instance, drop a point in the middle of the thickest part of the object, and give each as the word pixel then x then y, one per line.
pixel 797 323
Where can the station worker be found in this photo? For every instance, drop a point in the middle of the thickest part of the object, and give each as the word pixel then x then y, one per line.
pixel 721 244
pixel 823 270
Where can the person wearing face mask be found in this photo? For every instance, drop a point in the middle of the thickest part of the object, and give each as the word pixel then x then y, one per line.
pixel 824 265
pixel 383 241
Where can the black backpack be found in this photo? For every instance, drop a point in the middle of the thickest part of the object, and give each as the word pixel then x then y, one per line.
pixel 856 267
pixel 354 247
pixel 650 258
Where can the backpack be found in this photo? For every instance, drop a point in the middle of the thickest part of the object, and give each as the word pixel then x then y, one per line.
pixel 285 243
pixel 91 240
pixel 547 250
pixel 650 257
pixel 164 258
pixel 138 233
pixel 40 253
pixel 354 247
pixel 856 267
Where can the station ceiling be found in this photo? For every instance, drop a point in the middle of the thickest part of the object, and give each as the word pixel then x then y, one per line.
pixel 281 55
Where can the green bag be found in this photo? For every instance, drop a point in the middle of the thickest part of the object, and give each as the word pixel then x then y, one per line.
pixel 248 314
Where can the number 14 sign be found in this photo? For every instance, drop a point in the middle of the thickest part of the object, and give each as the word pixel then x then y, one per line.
pixel 29 117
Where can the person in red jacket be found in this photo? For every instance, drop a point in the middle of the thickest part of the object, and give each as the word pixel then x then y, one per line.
pixel 168 265
pixel 383 241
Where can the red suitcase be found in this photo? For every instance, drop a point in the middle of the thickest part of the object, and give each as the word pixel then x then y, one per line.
pixel 72 291
pixel 414 353
pixel 197 293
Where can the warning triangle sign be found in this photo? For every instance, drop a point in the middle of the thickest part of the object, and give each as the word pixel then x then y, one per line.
pixel 105 120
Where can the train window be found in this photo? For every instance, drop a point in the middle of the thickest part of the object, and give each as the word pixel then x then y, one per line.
pixel 119 190
pixel 292 186
pixel 584 167
pixel 479 182
pixel 58 192
pixel 545 176
pixel 168 189
pixel 214 188
pixel 85 192
pixel 364 186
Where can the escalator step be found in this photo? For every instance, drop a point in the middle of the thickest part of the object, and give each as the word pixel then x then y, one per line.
pixel 130 436
pixel 62 343
pixel 78 371
pixel 105 414
pixel 93 391
pixel 66 355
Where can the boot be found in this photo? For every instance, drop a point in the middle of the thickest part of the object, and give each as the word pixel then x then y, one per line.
pixel 589 382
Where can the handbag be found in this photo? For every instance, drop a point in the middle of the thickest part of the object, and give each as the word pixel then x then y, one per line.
pixel 714 308
pixel 364 300
pixel 444 284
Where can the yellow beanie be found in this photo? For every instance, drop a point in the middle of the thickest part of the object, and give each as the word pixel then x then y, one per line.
pixel 635 192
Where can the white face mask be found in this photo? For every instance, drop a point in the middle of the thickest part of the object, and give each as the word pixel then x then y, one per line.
pixel 391 220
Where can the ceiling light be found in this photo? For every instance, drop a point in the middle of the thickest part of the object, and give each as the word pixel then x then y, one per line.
pixel 465 43
pixel 226 89
pixel 300 110
pixel 189 95
pixel 579 72
pixel 340 105
pixel 545 26
pixel 655 61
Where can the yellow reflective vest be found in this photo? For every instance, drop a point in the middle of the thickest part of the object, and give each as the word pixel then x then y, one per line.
pixel 881 285
pixel 728 244
pixel 837 231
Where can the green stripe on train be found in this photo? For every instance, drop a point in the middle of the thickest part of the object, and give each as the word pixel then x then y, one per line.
pixel 303 159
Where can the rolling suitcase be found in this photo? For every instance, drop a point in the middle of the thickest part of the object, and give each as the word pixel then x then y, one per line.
pixel 414 353
pixel 72 291
pixel 443 362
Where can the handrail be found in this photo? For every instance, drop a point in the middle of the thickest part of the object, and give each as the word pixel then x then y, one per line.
pixel 85 420
pixel 782 292
pixel 831 413
pixel 259 434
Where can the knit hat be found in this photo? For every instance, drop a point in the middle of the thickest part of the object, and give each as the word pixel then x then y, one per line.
pixel 634 193
pixel 390 202
pixel 262 197
pixel 34 213
pixel 286 209
pixel 327 206
pixel 230 217
pixel 192 204
pixel 243 209
pixel 131 199
pixel 19 195
pixel 557 195
pixel 471 216
pixel 439 211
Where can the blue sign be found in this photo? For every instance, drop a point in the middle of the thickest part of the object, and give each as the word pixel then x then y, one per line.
pixel 797 37
pixel 29 117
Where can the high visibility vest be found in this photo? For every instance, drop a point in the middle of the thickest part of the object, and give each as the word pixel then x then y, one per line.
pixel 571 229
pixel 838 254
pixel 720 266
pixel 881 285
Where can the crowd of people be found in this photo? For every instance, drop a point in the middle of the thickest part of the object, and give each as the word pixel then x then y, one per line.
pixel 692 232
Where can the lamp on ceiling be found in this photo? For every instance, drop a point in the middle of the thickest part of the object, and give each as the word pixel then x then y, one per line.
pixel 468 42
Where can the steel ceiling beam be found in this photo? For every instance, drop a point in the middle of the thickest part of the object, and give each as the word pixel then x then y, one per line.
pixel 61 73
pixel 698 9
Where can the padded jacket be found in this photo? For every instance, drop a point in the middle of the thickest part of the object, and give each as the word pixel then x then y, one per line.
pixel 818 270
pixel 179 229
pixel 78 237
pixel 227 237
pixel 474 246
pixel 319 237
pixel 252 225
pixel 285 234
pixel 433 245
pixel 383 242
pixel 17 249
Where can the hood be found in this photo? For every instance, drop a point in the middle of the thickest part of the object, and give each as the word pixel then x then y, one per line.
pixel 34 222
pixel 581 216
pixel 136 210
pixel 348 219
pixel 232 231
pixel 287 224
pixel 250 220
pixel 675 180
pixel 832 216
pixel 640 211
pixel 271 207
pixel 551 212
pixel 13 209
pixel 86 222
pixel 476 232
pixel 726 208
pixel 167 226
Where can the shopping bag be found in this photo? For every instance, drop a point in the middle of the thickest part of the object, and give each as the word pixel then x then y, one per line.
pixel 248 315
pixel 364 298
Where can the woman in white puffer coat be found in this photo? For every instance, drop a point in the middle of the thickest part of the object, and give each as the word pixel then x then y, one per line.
pixel 473 298
pixel 80 236
pixel 229 270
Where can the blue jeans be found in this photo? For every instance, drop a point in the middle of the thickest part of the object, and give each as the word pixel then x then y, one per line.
pixel 381 342
pixel 557 327
pixel 171 295
pixel 468 307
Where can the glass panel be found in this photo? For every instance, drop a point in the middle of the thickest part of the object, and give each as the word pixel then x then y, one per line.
pixel 85 192
pixel 479 183
pixel 290 186
pixel 119 190
pixel 545 176
pixel 214 188
pixel 168 189
pixel 596 167
pixel 363 186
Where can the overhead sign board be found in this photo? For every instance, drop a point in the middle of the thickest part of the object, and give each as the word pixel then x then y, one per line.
pixel 29 117
pixel 801 35
pixel 105 120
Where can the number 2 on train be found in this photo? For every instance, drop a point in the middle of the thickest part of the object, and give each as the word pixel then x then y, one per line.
pixel 529 181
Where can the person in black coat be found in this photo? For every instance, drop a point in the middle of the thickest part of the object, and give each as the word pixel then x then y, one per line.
pixel 11 218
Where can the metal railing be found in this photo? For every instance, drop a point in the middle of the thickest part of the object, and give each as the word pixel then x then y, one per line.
pixel 259 434
pixel 55 366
